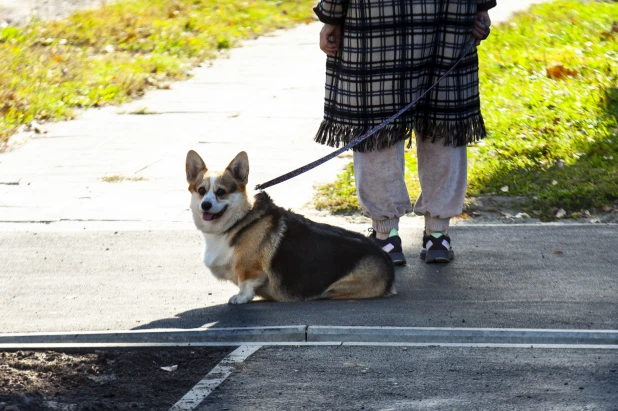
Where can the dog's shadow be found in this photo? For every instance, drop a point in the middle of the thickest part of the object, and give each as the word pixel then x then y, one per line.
pixel 269 313
pixel 414 294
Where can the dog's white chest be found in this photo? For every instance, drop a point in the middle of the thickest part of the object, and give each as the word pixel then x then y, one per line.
pixel 218 256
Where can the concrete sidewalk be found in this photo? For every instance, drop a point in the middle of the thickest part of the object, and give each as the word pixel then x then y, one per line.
pixel 242 103
pixel 19 12
pixel 265 99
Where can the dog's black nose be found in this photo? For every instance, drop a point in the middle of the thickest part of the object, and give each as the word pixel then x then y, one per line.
pixel 206 205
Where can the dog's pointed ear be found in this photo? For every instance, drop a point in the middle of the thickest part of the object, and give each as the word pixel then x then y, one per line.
pixel 239 167
pixel 194 165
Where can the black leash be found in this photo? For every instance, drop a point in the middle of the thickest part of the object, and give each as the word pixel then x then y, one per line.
pixel 368 134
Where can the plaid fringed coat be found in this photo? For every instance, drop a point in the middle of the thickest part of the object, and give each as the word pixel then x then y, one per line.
pixel 391 51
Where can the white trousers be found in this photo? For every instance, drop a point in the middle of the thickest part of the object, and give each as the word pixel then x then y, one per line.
pixel 382 192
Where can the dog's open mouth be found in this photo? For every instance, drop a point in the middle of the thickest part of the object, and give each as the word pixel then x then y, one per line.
pixel 211 216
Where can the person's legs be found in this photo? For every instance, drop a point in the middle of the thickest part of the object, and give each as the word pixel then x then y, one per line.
pixel 382 193
pixel 442 171
pixel 381 187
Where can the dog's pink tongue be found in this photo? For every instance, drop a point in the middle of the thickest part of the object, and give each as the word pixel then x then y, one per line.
pixel 207 216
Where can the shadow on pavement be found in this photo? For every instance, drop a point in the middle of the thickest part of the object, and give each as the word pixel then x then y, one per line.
pixel 511 277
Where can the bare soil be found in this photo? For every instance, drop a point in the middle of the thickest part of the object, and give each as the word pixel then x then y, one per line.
pixel 481 210
pixel 102 380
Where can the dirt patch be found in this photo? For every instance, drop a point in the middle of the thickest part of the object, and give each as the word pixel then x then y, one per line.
pixel 509 209
pixel 102 380
pixel 481 210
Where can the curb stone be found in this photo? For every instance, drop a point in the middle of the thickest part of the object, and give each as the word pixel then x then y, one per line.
pixel 428 335
pixel 320 334
pixel 212 335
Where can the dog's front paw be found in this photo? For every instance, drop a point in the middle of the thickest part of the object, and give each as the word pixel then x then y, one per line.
pixel 240 299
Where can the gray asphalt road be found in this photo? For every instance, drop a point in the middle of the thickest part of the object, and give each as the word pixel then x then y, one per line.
pixel 383 378
pixel 559 277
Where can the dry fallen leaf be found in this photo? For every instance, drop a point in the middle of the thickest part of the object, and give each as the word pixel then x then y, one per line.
pixel 607 35
pixel 559 72
pixel 558 252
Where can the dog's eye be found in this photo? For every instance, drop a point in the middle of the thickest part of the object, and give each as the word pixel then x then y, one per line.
pixel 220 192
pixel 201 190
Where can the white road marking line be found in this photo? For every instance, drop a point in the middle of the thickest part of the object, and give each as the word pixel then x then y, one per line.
pixel 312 334
pixel 214 378
pixel 449 335
pixel 305 344
pixel 51 346
pixel 466 329
pixel 482 345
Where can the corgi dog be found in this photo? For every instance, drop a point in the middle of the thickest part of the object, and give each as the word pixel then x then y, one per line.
pixel 275 253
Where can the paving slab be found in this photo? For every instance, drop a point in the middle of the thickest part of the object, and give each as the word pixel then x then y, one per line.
pixel 541 277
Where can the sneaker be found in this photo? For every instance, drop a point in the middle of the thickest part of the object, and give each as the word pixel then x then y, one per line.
pixel 437 248
pixel 392 245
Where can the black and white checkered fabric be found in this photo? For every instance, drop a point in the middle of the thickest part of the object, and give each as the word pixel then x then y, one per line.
pixel 391 51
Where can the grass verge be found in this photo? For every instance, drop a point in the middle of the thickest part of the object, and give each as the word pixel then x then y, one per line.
pixel 109 55
pixel 550 100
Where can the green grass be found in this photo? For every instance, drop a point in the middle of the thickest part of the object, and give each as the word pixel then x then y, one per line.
pixel 109 55
pixel 551 140
pixel 538 122
pixel 340 196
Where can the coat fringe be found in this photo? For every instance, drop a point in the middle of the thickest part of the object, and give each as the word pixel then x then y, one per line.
pixel 453 133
